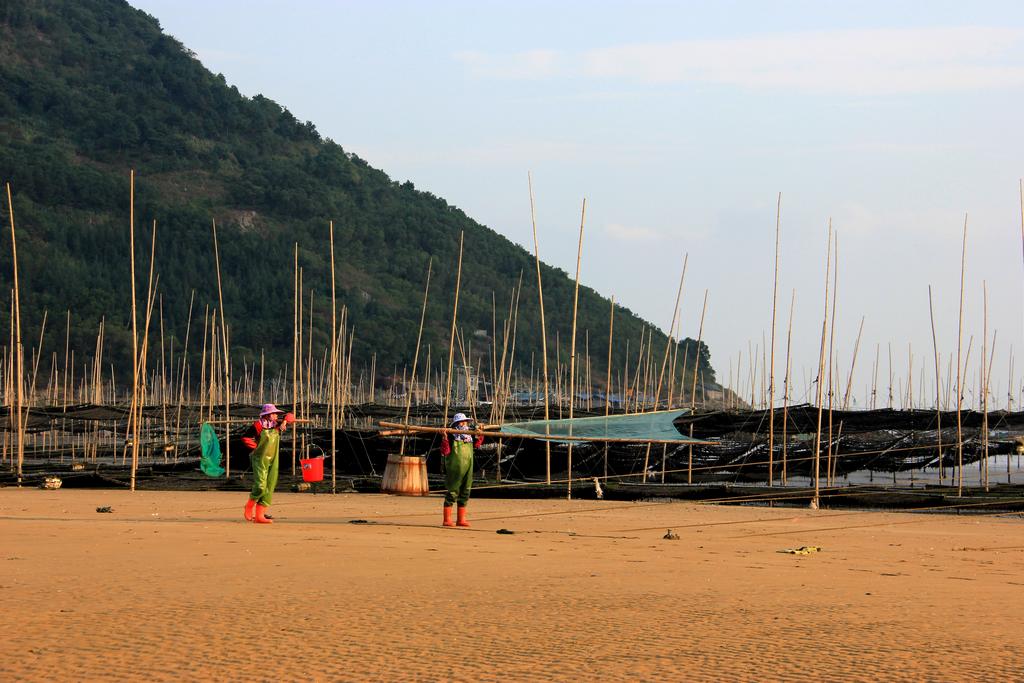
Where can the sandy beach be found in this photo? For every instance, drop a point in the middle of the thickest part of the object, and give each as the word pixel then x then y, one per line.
pixel 176 586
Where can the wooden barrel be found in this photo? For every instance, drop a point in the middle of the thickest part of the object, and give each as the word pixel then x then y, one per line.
pixel 405 475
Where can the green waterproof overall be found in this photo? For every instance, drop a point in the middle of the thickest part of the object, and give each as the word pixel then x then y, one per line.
pixel 459 473
pixel 264 466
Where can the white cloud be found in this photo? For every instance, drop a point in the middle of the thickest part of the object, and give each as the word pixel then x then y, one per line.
pixel 631 233
pixel 865 61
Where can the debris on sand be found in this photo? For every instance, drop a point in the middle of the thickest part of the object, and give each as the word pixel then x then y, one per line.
pixel 802 550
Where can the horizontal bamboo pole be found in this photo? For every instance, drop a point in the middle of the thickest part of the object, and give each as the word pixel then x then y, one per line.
pixel 244 422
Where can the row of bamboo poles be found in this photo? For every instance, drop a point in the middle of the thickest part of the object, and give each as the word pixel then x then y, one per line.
pixel 827 383
pixel 915 389
pixel 326 377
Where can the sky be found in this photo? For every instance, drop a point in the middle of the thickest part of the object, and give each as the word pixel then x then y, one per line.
pixel 680 124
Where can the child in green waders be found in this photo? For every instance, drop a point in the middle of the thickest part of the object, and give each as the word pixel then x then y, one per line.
pixel 264 438
pixel 458 452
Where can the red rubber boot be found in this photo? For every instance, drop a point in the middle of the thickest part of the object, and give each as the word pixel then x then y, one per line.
pixel 261 515
pixel 462 517
pixel 250 510
pixel 447 516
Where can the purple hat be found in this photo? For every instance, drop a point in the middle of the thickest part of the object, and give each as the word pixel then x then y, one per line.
pixel 268 408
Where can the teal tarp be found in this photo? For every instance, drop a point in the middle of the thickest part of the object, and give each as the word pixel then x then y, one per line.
pixel 654 426
pixel 210 461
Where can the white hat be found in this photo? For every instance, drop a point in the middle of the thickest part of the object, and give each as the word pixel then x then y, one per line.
pixel 460 417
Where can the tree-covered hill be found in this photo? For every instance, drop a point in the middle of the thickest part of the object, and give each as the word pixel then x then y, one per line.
pixel 92 88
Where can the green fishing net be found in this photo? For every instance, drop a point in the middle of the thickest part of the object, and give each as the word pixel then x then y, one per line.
pixel 210 459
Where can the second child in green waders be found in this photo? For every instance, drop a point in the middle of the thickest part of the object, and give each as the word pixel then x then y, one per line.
pixel 264 438
pixel 458 452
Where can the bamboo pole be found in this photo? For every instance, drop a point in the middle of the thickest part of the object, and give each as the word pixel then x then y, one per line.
pixel 184 368
pixel 332 403
pixel 309 357
pixel 543 327
pixel 637 387
pixel 416 356
pixel 559 396
pixel 52 381
pixel 347 368
pixel 938 387
pixel 202 364
pixel 673 364
pixel 588 381
pixel 1009 384
pixel 831 355
pixel 499 398
pixel 143 355
pixel 35 366
pixel 771 366
pixel 512 353
pixel 466 365
pixel 17 350
pixel 451 341
pixel 853 365
pixel 815 503
pixel 984 381
pixel 625 377
pixel 504 388
pixel 671 327
pixel 572 343
pixel 494 345
pixel 959 384
pixel 163 381
pixel 227 356
pixel 67 348
pixel 648 368
pixel 753 374
pixel 608 380
pixel 786 385
pixel 910 375
pixel 693 393
pixel 988 384
pixel 874 376
pixel 643 368
pixel 296 324
pixel 135 331
pixel 764 371
pixel 835 460
pixel 9 392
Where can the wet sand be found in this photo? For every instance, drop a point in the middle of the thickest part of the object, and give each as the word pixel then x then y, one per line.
pixel 176 586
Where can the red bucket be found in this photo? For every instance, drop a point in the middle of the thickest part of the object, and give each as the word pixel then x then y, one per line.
pixel 312 469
